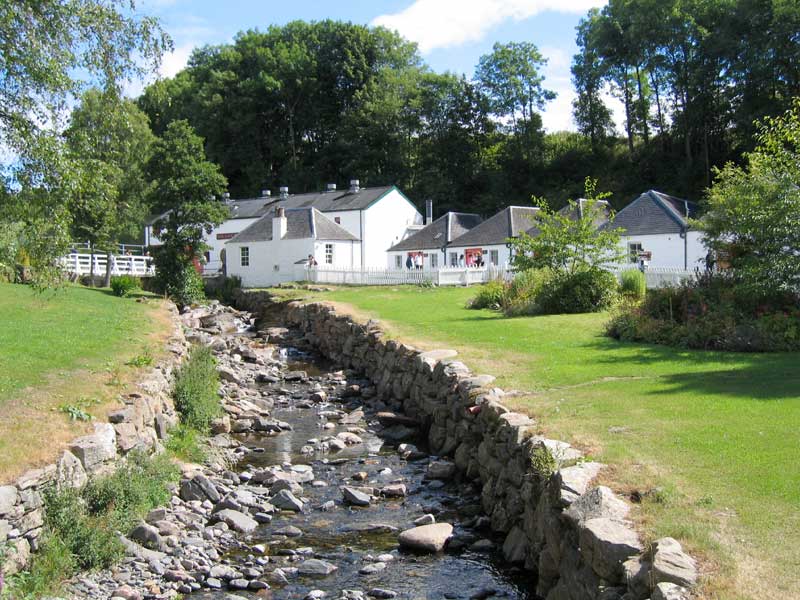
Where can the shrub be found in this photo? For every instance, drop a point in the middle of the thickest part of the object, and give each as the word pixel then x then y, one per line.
pixel 186 444
pixel 223 288
pixel 124 285
pixel 633 284
pixel 523 291
pixel 590 290
pixel 195 391
pixel 490 295
pixel 712 312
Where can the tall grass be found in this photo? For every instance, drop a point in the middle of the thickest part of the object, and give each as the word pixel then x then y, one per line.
pixel 195 391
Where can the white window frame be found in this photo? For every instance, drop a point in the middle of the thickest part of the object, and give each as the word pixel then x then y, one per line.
pixel 494 257
pixel 634 248
pixel 453 262
pixel 328 254
pixel 398 261
pixel 434 260
pixel 244 256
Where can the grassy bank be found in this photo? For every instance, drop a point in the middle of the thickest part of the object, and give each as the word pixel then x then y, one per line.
pixel 712 436
pixel 65 353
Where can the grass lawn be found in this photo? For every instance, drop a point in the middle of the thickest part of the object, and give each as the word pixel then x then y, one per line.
pixel 718 433
pixel 66 348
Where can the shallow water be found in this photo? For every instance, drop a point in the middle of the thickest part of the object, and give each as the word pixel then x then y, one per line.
pixel 334 534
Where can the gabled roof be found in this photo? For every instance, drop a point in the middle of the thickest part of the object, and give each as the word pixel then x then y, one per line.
pixel 337 200
pixel 653 213
pixel 508 223
pixel 439 233
pixel 301 223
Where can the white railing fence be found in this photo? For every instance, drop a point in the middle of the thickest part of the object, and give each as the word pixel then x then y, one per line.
pixel 122 249
pixel 657 277
pixel 376 276
pixel 81 264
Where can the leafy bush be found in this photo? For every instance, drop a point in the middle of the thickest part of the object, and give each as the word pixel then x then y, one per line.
pixel 177 278
pixel 195 391
pixel 124 285
pixel 712 312
pixel 223 288
pixel 186 444
pixel 490 295
pixel 591 290
pixel 522 293
pixel 633 284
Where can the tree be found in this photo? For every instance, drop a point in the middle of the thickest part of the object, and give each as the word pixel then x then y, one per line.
pixel 569 241
pixel 185 187
pixel 753 218
pixel 111 134
pixel 49 50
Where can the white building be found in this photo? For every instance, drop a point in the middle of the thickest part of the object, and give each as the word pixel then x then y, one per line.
pixel 429 243
pixel 489 240
pixel 276 247
pixel 656 226
pixel 379 217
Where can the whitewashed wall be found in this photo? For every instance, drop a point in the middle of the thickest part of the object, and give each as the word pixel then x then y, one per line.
pixel 273 262
pixel 503 253
pixel 668 249
pixel 392 264
pixel 385 223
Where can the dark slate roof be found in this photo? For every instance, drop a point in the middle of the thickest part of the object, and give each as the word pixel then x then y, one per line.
pixel 654 213
pixel 338 200
pixel 301 223
pixel 508 223
pixel 439 233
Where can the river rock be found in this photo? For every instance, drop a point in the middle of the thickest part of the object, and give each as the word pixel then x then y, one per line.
pixel 199 488
pixel 355 497
pixel 672 565
pixel 237 521
pixel 427 538
pixel 316 567
pixel 289 531
pixel 285 500
pixel 381 593
pixel 372 568
pixel 441 470
pixel 147 536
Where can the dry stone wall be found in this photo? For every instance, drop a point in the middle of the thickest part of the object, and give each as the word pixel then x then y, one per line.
pixel 142 423
pixel 537 492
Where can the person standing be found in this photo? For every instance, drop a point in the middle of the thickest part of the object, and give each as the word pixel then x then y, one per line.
pixel 418 260
pixel 409 262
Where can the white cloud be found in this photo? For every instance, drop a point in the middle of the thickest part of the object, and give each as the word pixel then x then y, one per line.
pixel 176 60
pixel 557 115
pixel 447 23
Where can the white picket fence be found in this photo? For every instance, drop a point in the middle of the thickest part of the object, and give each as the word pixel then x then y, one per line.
pixel 81 264
pixel 374 276
pixel 656 277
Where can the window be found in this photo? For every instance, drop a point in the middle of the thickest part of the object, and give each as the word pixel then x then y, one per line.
pixel 337 220
pixel 398 262
pixel 244 255
pixel 434 260
pixel 634 248
pixel 494 257
pixel 454 259
pixel 328 254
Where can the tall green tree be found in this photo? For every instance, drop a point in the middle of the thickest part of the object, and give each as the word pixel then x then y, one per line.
pixel 49 50
pixel 753 217
pixel 186 190
pixel 111 133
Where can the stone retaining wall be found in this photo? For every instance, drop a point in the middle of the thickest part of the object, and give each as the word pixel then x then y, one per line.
pixel 141 423
pixel 537 492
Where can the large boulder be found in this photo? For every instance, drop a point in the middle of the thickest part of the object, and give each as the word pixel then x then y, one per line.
pixel 96 449
pixel 8 498
pixel 198 488
pixel 285 500
pixel 69 472
pixel 669 591
pixel 427 538
pixel 599 502
pixel 315 567
pixel 672 565
pixel 148 536
pixel 355 496
pixel 606 544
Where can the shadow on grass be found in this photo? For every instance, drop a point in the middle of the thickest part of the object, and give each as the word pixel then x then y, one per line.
pixel 131 296
pixel 761 376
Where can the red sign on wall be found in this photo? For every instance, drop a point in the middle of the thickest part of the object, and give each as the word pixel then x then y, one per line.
pixel 225 236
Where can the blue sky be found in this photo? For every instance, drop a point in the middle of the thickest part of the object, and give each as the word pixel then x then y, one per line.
pixel 452 34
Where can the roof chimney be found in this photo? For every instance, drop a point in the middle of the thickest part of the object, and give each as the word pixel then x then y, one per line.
pixel 354 186
pixel 284 191
pixel 331 187
pixel 279 224
pixel 428 211
pixel 265 193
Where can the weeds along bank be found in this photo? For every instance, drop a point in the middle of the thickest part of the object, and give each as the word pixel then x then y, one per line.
pixel 537 492
pixel 138 427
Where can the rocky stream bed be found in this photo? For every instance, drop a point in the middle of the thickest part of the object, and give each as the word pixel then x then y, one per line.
pixel 313 492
